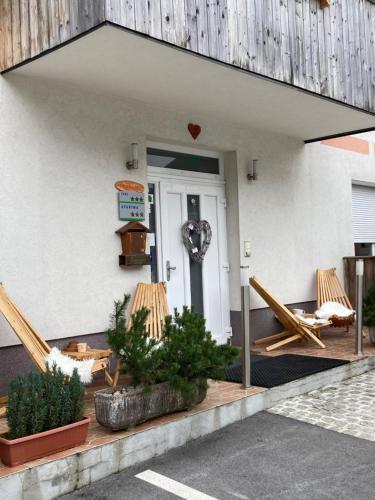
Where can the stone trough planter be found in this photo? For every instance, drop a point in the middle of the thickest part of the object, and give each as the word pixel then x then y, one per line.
pixel 121 408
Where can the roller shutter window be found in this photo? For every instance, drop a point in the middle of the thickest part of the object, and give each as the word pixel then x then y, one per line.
pixel 363 210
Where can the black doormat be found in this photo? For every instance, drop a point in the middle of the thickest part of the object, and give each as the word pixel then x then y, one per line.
pixel 270 371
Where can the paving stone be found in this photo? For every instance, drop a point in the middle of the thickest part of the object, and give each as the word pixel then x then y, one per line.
pixel 348 407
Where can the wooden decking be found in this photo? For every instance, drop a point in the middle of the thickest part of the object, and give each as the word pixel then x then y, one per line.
pixel 339 343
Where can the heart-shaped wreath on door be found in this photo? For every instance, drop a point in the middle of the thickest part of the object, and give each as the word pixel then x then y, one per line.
pixel 197 227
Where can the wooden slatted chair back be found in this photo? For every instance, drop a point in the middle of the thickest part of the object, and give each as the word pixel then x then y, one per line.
pixel 294 328
pixel 35 346
pixel 152 296
pixel 329 288
pixel 286 317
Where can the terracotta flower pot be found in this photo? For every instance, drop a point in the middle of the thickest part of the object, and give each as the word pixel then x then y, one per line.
pixel 21 450
pixel 121 408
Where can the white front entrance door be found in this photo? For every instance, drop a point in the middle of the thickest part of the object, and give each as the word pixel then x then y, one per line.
pixel 205 286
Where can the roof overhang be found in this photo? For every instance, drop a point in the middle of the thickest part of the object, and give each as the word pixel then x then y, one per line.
pixel 119 62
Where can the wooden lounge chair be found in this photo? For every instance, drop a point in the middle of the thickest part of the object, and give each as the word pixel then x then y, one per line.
pixel 35 345
pixel 3 409
pixel 154 297
pixel 329 289
pixel 295 329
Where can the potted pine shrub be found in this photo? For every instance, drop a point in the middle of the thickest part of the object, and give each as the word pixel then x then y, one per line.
pixel 369 313
pixel 45 416
pixel 165 375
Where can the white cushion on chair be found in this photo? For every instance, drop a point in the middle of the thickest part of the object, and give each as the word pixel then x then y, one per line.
pixel 329 309
pixel 67 365
pixel 311 321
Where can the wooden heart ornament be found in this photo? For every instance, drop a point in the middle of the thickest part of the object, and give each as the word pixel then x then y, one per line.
pixel 194 130
pixel 198 227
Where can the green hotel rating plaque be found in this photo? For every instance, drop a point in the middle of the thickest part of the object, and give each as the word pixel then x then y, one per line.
pixel 131 206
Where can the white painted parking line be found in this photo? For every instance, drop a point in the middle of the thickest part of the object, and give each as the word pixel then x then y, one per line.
pixel 172 486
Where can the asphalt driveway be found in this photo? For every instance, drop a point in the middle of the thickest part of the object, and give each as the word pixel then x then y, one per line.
pixel 266 456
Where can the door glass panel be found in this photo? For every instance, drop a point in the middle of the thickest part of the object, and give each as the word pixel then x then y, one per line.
pixel 182 161
pixel 196 287
pixel 213 303
pixel 152 223
pixel 173 217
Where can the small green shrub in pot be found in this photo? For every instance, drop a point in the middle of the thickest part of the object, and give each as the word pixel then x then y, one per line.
pixel 39 402
pixel 139 353
pixel 45 416
pixel 190 354
pixel 369 312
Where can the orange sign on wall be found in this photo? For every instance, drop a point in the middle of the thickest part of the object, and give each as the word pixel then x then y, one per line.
pixel 132 186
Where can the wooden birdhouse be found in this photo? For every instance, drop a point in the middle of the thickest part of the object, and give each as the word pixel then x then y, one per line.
pixel 133 242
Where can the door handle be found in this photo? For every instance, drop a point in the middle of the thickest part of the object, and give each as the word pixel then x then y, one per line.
pixel 169 269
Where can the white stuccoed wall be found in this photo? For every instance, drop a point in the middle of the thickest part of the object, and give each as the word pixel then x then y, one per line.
pixel 62 149
pixel 60 156
pixel 298 213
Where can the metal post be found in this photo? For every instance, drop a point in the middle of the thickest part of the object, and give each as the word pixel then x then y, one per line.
pixel 245 326
pixel 358 307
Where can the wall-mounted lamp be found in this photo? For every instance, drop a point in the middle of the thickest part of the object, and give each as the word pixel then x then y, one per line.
pixel 133 163
pixel 252 174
